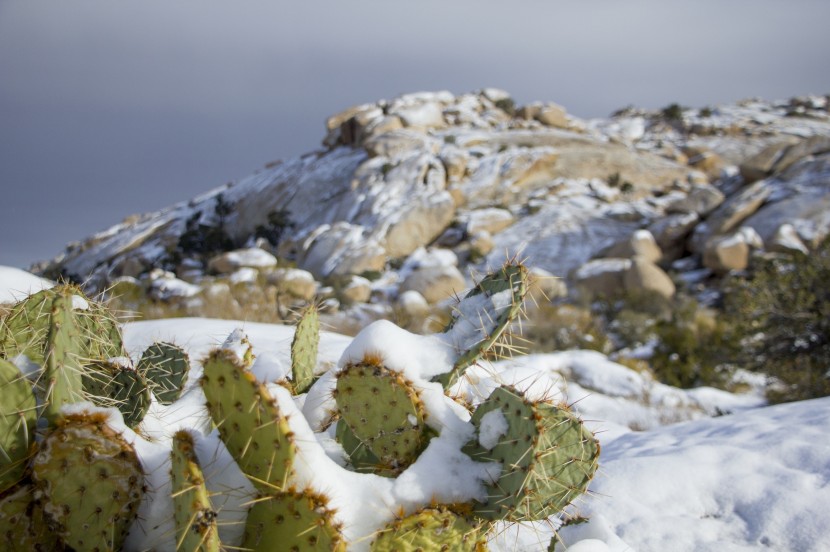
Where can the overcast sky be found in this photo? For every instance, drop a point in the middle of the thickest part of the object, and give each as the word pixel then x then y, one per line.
pixel 112 108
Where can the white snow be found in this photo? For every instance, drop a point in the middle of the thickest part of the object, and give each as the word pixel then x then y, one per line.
pixel 16 284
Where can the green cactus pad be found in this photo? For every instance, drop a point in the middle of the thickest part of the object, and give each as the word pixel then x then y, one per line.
pixel 165 366
pixel 482 317
pixel 22 523
pixel 195 518
pixel 430 530
pixel 109 384
pixel 295 521
pixel 18 417
pixel 304 350
pixel 383 411
pixel 60 381
pixel 250 422
pixel 361 458
pixel 89 481
pixel 548 458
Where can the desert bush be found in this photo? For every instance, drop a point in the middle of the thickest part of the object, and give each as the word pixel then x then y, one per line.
pixel 695 347
pixel 781 311
pixel 560 327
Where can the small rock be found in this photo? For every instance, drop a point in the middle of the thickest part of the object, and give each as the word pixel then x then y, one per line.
pixel 641 243
pixel 295 282
pixel 412 304
pixel 643 274
pixel 435 283
pixel 492 220
pixel 786 240
pixel 358 290
pixel 231 261
pixel 602 277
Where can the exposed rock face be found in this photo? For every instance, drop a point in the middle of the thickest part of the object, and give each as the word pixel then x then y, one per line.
pixel 492 180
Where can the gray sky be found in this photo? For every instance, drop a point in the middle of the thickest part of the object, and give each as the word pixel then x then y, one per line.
pixel 113 108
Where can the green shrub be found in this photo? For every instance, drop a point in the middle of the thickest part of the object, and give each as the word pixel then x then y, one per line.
pixel 694 348
pixel 782 313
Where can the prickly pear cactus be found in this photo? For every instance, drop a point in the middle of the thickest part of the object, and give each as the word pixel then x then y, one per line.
pixel 18 417
pixel 548 457
pixel 26 328
pixel 22 523
pixel 292 520
pixel 249 421
pixel 195 518
pixel 90 482
pixel 114 384
pixel 304 350
pixel 165 366
pixel 384 412
pixel 431 530
pixel 483 316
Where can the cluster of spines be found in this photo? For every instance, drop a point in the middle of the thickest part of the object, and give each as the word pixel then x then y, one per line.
pixel 492 323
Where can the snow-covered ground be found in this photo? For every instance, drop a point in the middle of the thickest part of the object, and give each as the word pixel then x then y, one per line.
pixel 754 479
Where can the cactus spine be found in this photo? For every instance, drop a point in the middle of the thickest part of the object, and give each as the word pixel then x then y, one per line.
pixel 481 319
pixel 111 384
pixel 195 518
pixel 22 522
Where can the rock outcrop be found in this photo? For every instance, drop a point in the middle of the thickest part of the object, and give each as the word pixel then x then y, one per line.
pixel 605 205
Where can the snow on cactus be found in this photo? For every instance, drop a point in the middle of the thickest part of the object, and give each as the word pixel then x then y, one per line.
pixel 375 449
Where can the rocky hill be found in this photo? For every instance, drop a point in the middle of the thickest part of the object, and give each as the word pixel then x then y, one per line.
pixel 410 196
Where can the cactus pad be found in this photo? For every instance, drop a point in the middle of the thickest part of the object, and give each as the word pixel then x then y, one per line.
pixel 304 350
pixel 383 411
pixel 22 525
pixel 430 530
pixel 195 518
pixel 361 458
pixel 109 384
pixel 481 318
pixel 295 521
pixel 548 457
pixel 250 422
pixel 18 416
pixel 60 381
pixel 90 482
pixel 165 366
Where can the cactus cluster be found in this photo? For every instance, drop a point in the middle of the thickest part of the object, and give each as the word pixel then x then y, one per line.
pixel 67 478
pixel 356 478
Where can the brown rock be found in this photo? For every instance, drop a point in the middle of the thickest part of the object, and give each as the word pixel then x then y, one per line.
pixel 645 275
pixel 435 283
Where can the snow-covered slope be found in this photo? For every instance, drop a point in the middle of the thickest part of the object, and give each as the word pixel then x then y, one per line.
pixel 16 284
